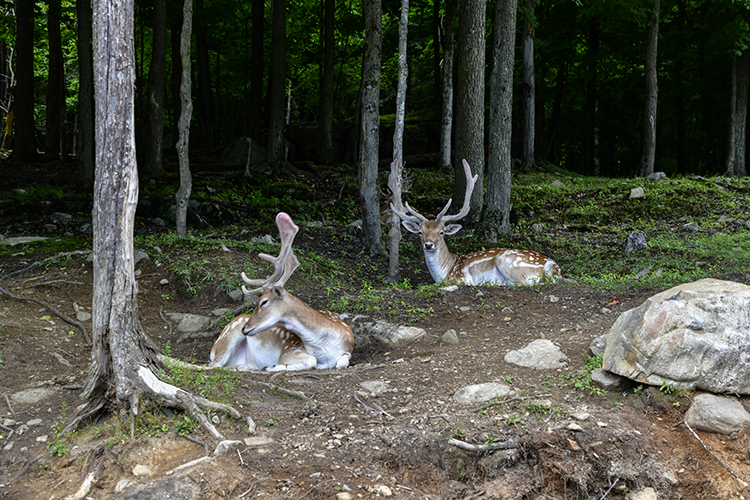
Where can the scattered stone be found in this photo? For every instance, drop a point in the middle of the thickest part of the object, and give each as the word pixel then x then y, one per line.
pixel 8 446
pixel 449 288
pixel 263 240
pixel 236 295
pixel 60 218
pixel 481 392
pixel 464 308
pixel 22 240
pixel 449 337
pixel 220 312
pixel 642 494
pixel 141 471
pixel 41 439
pixel 656 176
pixel 574 427
pixel 537 228
pixel 637 193
pixel 711 413
pixel 636 241
pixel 381 489
pixel 122 484
pixel 258 441
pixel 573 445
pixel 189 323
pixel 540 354
pixel 581 416
pixel 226 447
pixel 164 281
pixel 375 386
pixel 251 426
pixel 609 381
pixel 9 422
pixel 557 183
pixel 691 226
pixel 32 396
pixel 158 221
pixel 724 218
pixel 598 345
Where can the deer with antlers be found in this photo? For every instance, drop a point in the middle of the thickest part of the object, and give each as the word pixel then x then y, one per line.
pixel 496 266
pixel 282 333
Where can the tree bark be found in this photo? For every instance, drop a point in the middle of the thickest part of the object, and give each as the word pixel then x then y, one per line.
pixel 24 136
pixel 205 103
pixel 182 197
pixel 157 77
pixel 446 125
pixel 743 82
pixel 529 123
pixel 256 71
pixel 370 124
pixel 469 138
pixel 325 123
pixel 275 153
pixel 394 235
pixel 592 102
pixel 55 139
pixel 731 160
pixel 496 219
pixel 85 96
pixel 652 94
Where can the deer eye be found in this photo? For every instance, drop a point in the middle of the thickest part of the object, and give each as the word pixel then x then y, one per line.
pixel 262 303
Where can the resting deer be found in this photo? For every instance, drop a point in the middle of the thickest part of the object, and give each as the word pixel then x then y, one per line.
pixel 283 333
pixel 497 266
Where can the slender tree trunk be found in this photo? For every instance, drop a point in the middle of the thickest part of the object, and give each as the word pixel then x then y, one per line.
pixel 157 77
pixel 592 102
pixel 731 160
pixel 496 220
pixel 85 96
pixel 206 110
pixel 446 125
pixel 55 143
pixel 369 189
pixel 470 104
pixel 325 125
pixel 182 197
pixel 176 73
pixel 256 70
pixel 275 153
pixel 437 52
pixel 394 234
pixel 24 139
pixel 652 94
pixel 743 82
pixel 529 123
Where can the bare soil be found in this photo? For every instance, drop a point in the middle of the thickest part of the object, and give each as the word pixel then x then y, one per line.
pixel 335 445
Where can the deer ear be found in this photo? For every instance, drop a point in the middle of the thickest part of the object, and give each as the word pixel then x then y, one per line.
pixel 452 228
pixel 411 226
pixel 279 291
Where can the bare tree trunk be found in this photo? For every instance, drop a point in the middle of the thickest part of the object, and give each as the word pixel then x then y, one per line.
pixel 85 96
pixel 24 138
pixel 470 104
pixel 496 219
pixel 592 102
pixel 394 234
pixel 446 126
pixel 205 103
pixel 529 123
pixel 256 71
pixel 731 160
pixel 157 76
pixel 370 129
pixel 325 124
pixel 186 106
pixel 743 82
pixel 56 140
pixel 275 154
pixel 652 94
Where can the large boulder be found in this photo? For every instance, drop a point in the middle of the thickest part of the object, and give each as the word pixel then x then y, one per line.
pixel 693 336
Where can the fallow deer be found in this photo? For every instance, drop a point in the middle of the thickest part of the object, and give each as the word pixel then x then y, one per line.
pixel 496 266
pixel 282 333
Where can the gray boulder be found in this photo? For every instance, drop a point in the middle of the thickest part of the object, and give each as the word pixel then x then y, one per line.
pixel 718 414
pixel 693 336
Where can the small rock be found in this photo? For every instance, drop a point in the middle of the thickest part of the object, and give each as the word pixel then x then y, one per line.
pixel 574 427
pixel 226 447
pixel 637 193
pixel 656 176
pixel 41 439
pixel 122 484
pixel 449 337
pixel 164 281
pixel 141 471
pixel 258 441
pixel 581 416
pixel 34 422
pixel 450 288
pixel 481 392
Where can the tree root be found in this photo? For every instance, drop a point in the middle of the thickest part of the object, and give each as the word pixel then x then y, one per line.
pixel 48 259
pixel 58 313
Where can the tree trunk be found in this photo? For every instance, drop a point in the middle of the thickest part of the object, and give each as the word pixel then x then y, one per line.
pixel 157 76
pixel 529 124
pixel 175 29
pixel 55 139
pixel 732 125
pixel 496 219
pixel 470 104
pixel 24 139
pixel 394 235
pixel 446 125
pixel 206 110
pixel 256 71
pixel 325 124
pixel 182 197
pixel 743 81
pixel 369 189
pixel 592 103
pixel 652 94
pixel 275 154
pixel 85 96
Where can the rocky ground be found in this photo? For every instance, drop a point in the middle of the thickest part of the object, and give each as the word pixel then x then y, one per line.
pixel 387 426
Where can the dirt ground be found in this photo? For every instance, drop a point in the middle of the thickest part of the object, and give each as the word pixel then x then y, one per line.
pixel 339 446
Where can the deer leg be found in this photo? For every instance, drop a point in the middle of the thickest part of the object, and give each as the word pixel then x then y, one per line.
pixel 294 359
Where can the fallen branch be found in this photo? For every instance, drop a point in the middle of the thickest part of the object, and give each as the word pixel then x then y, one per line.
pixel 610 488
pixel 497 403
pixel 507 445
pixel 742 483
pixel 26 467
pixel 288 392
pixel 377 410
pixel 58 313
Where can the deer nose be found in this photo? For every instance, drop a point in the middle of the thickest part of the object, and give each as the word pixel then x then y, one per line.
pixel 428 245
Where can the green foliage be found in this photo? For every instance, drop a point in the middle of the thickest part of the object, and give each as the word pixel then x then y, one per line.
pixel 581 380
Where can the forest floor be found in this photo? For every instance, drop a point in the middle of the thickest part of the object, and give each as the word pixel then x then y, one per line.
pixel 332 445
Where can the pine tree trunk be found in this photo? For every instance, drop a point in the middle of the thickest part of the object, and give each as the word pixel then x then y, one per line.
pixel 743 82
pixel 256 69
pixel 157 76
pixel 85 96
pixel 325 124
pixel 496 219
pixel 275 153
pixel 55 140
pixel 731 160
pixel 186 106
pixel 24 139
pixel 446 126
pixel 652 94
pixel 529 124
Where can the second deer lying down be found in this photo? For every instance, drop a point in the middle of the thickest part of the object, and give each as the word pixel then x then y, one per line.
pixel 283 333
pixel 496 266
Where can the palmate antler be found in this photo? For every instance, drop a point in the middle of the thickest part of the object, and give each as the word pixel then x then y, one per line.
pixel 407 213
pixel 286 262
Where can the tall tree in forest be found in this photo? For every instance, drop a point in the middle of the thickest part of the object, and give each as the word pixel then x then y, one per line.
pixel 446 122
pixel 55 138
pixel 182 197
pixel 652 93
pixel 469 139
pixel 394 235
pixel 528 159
pixel 592 99
pixel 85 96
pixel 124 360
pixel 736 135
pixel 205 100
pixel 157 75
pixel 369 189
pixel 256 69
pixel 275 154
pixel 496 219
pixel 325 120
pixel 24 140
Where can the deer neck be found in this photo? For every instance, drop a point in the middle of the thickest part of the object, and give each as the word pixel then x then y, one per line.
pixel 312 327
pixel 439 261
